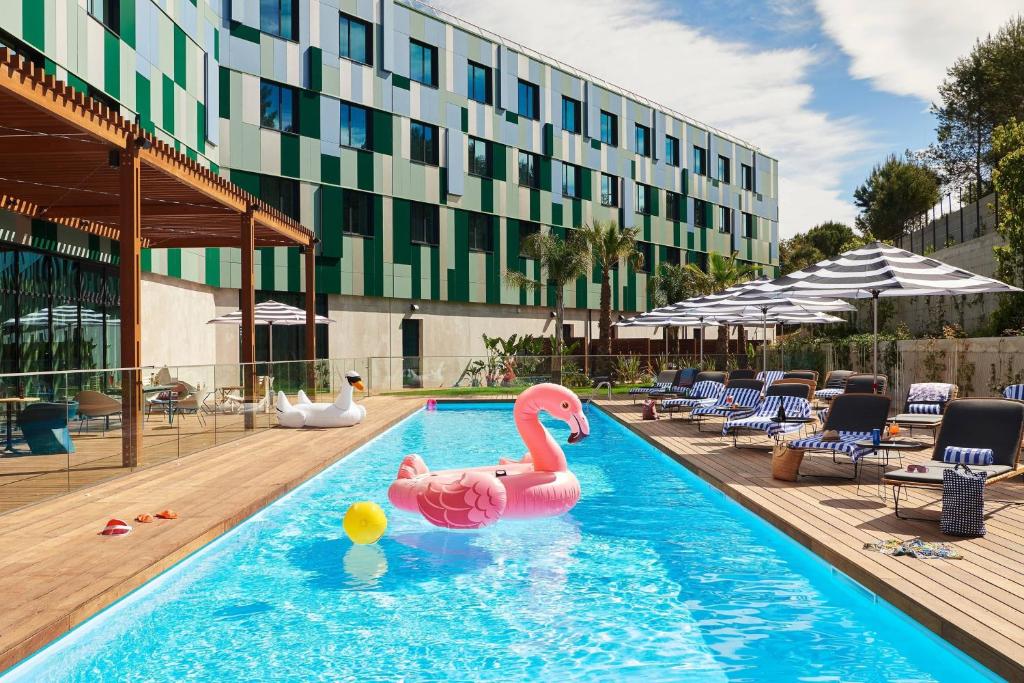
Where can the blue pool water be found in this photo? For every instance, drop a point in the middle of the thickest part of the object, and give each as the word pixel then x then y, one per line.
pixel 653 576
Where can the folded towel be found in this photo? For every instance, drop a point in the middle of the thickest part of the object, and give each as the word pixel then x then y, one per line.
pixel 830 435
pixel 968 456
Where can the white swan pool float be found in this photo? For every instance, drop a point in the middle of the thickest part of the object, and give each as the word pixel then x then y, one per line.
pixel 342 413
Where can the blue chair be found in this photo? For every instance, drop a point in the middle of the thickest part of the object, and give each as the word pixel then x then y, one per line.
pixel 45 427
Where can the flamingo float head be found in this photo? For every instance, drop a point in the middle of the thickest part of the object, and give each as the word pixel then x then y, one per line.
pixel 561 403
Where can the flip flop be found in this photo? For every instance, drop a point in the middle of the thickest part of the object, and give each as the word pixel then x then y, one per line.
pixel 144 518
pixel 167 514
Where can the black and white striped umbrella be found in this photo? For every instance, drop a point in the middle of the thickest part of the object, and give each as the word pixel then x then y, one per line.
pixel 63 316
pixel 270 313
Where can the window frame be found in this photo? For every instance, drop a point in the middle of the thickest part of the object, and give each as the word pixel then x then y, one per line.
pixel 488 158
pixel 367 38
pixel 427 48
pixel 350 106
pixel 431 234
pixel 672 150
pixel 645 191
pixel 724 163
pixel 746 177
pixel 534 162
pixel 700 160
pixel 700 213
pixel 436 133
pixel 524 232
pixel 614 184
pixel 346 212
pixel 646 130
pixel 266 182
pixel 613 128
pixel 471 68
pixel 533 91
pixel 473 229
pixel 669 197
pixel 293 109
pixel 647 250
pixel 293 30
pixel 749 225
pixel 576 122
pixel 109 7
pixel 725 217
pixel 576 180
pixel 673 256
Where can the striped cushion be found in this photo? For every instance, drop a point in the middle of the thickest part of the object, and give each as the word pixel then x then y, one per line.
pixel 846 444
pixel 658 386
pixel 924 408
pixel 703 393
pixel 741 397
pixel 761 420
pixel 968 456
pixel 770 377
pixel 1015 391
pixel 827 393
pixel 687 402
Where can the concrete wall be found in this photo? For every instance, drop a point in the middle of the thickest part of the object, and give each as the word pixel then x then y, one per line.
pixel 981 366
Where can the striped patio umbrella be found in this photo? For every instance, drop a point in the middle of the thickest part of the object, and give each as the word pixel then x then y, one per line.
pixel 878 270
pixel 270 313
pixel 63 316
pixel 647 320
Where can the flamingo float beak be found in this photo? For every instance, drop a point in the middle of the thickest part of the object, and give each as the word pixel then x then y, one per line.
pixel 582 429
pixel 359 385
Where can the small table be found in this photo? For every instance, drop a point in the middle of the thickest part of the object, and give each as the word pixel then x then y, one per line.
pixel 156 389
pixel 794 420
pixel 888 446
pixel 11 402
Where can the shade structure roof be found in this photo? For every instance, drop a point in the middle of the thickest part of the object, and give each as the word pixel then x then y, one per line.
pixel 271 313
pixel 666 321
pixel 61 153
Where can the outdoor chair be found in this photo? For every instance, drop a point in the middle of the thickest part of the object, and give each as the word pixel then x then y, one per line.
pixel 685 379
pixel 703 393
pixel 835 384
pixel 45 427
pixel 801 374
pixel 710 376
pixel 92 405
pixel 807 385
pixel 761 419
pixel 744 393
pixel 1015 392
pixel 996 424
pixel 662 382
pixel 853 417
pixel 165 400
pixel 866 384
pixel 742 374
pixel 769 377
pixel 926 402
pixel 192 404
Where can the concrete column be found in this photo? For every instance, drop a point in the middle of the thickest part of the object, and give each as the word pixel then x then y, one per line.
pixel 130 244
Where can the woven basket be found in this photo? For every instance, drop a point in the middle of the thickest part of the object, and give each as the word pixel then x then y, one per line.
pixel 786 463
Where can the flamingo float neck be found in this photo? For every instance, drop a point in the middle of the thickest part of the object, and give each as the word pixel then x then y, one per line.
pixel 546 453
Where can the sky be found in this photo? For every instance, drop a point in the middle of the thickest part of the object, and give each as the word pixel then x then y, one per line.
pixel 828 87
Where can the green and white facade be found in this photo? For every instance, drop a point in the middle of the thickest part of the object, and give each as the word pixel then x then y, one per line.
pixel 394 230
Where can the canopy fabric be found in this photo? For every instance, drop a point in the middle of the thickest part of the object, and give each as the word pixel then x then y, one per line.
pixel 271 313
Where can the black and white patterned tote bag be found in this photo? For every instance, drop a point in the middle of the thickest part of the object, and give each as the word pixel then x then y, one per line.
pixel 963 502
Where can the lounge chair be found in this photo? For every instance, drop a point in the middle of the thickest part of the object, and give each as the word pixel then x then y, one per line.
pixel 45 427
pixel 681 383
pixel 976 423
pixel 1015 392
pixel 808 384
pixel 853 416
pixel 703 393
pixel 835 384
pixel 761 419
pixel 769 377
pixel 745 393
pixel 801 374
pixel 926 401
pixel 711 376
pixel 92 405
pixel 165 400
pixel 745 373
pixel 192 404
pixel 662 382
pixel 866 384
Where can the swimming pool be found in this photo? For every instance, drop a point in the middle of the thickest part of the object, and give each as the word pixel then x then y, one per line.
pixel 654 575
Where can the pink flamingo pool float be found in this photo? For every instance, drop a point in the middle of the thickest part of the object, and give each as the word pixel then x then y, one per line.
pixel 539 485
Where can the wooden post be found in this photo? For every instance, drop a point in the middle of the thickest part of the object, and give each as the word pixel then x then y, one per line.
pixel 130 244
pixel 310 252
pixel 248 305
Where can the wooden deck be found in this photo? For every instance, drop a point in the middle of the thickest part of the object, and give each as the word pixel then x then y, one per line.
pixel 55 571
pixel 976 603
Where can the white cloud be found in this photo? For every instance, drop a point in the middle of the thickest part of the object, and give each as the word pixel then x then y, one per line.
pixel 759 95
pixel 905 46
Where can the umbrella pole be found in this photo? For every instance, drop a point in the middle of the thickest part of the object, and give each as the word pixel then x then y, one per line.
pixel 764 338
pixel 702 344
pixel 874 354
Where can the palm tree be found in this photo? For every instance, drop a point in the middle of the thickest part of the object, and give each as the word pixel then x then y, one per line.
pixel 670 284
pixel 609 245
pixel 722 272
pixel 562 261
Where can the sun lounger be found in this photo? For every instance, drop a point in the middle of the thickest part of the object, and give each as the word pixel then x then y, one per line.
pixel 662 382
pixel 739 399
pixel 835 384
pixel 762 419
pixel 853 417
pixel 745 373
pixel 769 377
pixel 703 393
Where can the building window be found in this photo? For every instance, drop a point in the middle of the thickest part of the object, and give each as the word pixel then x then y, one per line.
pixel 746 177
pixel 570 115
pixel 609 129
pixel 422 63
pixel 355 39
pixel 700 160
pixel 480 232
pixel 355 126
pixel 277 107
pixel 479 84
pixel 643 140
pixel 423 139
pixel 423 224
pixel 609 190
pixel 107 12
pixel 749 226
pixel 281 193
pixel 525 230
pixel 529 169
pixel 529 100
pixel 700 213
pixel 278 17
pixel 674 206
pixel 357 213
pixel 724 169
pixel 673 256
pixel 671 150
pixel 571 184
pixel 646 250
pixel 726 219
pixel 479 157
pixel 644 198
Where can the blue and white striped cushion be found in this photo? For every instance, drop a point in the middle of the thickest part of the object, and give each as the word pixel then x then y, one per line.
pixel 761 420
pixel 741 397
pixel 703 393
pixel 1015 391
pixel 687 402
pixel 924 408
pixel 770 377
pixel 658 386
pixel 827 393
pixel 846 444
pixel 968 456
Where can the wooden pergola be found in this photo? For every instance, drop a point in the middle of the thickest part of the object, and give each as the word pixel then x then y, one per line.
pixel 69 159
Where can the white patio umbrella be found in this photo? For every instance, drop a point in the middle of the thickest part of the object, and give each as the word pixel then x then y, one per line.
pixel 270 313
pixel 651 319
pixel 781 316
pixel 64 315
pixel 879 270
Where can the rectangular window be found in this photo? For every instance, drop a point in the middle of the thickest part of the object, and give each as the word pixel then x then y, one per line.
pixel 724 169
pixel 673 256
pixel 570 180
pixel 479 157
pixel 700 160
pixel 749 226
pixel 479 84
pixel 525 230
pixel 355 39
pixel 609 190
pixel 671 150
pixel 646 250
pixel 480 232
pixel 529 100
pixel 570 115
pixel 700 213
pixel 107 12
pixel 746 177
pixel 422 63
pixel 281 193
pixel 357 213
pixel 644 198
pixel 674 206
pixel 643 140
pixel 609 129
pixel 725 213
pixel 277 107
pixel 529 169
pixel 423 139
pixel 355 126
pixel 423 224
pixel 278 18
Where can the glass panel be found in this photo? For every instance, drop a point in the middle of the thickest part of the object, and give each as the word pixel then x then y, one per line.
pixel 286 19
pixel 360 139
pixel 269 106
pixel 270 16
pixel 416 67
pixel 344 44
pixel 8 311
pixel 287 107
pixel 357 40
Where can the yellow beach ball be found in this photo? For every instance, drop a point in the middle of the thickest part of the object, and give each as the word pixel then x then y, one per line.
pixel 365 522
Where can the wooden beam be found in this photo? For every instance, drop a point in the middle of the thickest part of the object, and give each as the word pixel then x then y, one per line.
pixel 113 211
pixel 162 158
pixel 248 305
pixel 131 310
pixel 311 319
pixel 286 229
pixel 201 242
